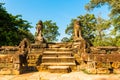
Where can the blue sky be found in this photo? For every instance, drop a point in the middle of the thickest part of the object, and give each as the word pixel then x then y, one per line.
pixel 59 11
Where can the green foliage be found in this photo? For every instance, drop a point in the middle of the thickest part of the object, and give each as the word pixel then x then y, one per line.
pixel 103 42
pixel 65 39
pixel 12 28
pixel 50 31
pixel 93 30
pixel 114 7
pixel 101 27
pixel 117 40
pixel 69 29
pixel 87 22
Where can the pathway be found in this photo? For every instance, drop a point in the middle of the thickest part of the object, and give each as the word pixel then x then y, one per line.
pixel 60 76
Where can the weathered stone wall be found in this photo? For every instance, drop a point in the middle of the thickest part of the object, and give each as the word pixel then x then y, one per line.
pixel 8 49
pixel 101 60
pixel 6 59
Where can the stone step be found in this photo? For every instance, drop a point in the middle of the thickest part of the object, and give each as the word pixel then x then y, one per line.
pixel 59 69
pixel 44 66
pixel 57 59
pixel 58 49
pixel 56 54
pixel 59 45
pixel 59 64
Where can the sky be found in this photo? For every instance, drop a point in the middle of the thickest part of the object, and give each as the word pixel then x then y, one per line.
pixel 59 11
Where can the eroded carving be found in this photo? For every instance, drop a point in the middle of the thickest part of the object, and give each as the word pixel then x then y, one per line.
pixel 20 57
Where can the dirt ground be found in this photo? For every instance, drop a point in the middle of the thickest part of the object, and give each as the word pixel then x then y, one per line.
pixel 60 76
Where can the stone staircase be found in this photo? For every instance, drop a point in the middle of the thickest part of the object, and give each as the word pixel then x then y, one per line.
pixel 58 59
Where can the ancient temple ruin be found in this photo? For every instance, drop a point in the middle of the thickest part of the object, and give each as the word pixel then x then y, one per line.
pixel 58 57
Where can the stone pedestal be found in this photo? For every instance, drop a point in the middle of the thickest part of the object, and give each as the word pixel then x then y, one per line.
pixel 39 40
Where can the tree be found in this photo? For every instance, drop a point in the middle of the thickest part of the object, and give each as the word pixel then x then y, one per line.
pixel 100 31
pixel 114 6
pixel 93 29
pixel 65 39
pixel 69 30
pixel 117 41
pixel 12 28
pixel 50 31
pixel 87 22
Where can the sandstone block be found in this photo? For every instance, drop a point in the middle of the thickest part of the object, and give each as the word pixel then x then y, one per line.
pixel 5 71
pixel 103 71
pixel 91 71
pixel 116 71
pixel 59 69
